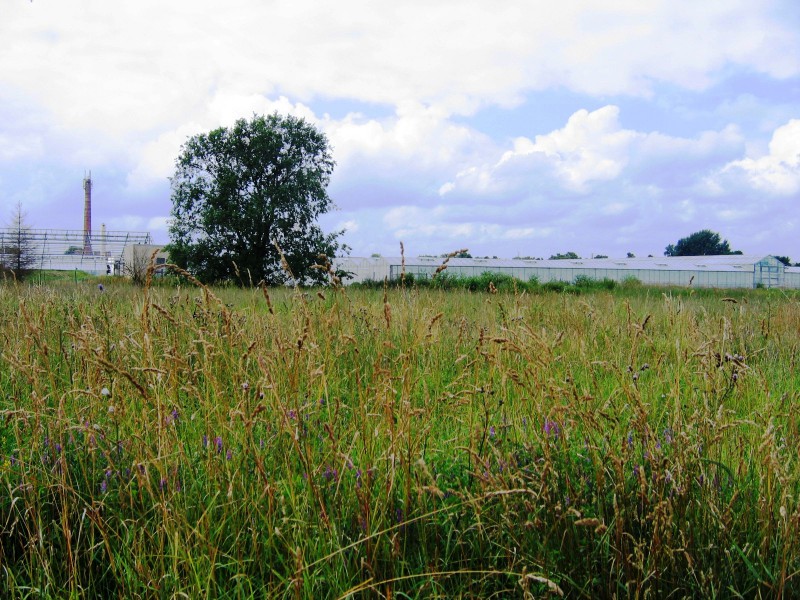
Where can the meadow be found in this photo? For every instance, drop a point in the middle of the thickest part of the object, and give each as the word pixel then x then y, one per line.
pixel 180 441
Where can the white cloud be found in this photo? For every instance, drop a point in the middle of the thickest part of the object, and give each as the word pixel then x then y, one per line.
pixel 592 146
pixel 423 136
pixel 591 150
pixel 350 226
pixel 118 89
pixel 147 65
pixel 776 173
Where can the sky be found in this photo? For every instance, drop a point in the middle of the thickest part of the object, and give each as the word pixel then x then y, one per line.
pixel 510 127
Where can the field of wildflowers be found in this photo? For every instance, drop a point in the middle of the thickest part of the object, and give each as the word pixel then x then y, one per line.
pixel 188 442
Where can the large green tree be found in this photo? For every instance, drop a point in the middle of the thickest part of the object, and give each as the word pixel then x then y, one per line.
pixel 700 243
pixel 239 191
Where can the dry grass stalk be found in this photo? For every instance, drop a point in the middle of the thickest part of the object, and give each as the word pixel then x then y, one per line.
pixel 387 309
pixel 266 297
pixel 326 266
pixel 402 263
pixel 284 263
pixel 447 258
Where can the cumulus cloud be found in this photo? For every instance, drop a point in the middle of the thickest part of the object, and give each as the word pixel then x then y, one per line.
pixel 594 175
pixel 118 88
pixel 144 65
pixel 777 173
pixel 593 147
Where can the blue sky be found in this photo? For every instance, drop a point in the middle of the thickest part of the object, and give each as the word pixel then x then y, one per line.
pixel 509 128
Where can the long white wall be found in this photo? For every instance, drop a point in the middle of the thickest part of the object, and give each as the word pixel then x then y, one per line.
pixel 714 272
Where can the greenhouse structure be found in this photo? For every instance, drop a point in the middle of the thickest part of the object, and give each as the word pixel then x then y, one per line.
pixel 728 271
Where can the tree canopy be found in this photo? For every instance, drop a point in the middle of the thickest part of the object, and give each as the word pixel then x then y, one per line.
pixel 565 256
pixel 700 243
pixel 240 193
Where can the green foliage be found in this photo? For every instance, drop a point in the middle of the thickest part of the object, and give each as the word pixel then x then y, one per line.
pixel 565 256
pixel 586 282
pixel 700 243
pixel 785 260
pixel 555 286
pixel 631 283
pixel 492 282
pixel 239 191
pixel 197 442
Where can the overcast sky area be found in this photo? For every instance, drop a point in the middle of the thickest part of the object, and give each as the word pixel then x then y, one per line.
pixel 513 128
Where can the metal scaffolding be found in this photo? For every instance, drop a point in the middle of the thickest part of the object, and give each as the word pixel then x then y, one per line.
pixel 66 249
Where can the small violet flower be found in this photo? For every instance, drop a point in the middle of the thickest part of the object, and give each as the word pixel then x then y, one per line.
pixel 551 428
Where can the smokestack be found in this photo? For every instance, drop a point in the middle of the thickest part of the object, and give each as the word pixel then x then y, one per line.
pixel 87 214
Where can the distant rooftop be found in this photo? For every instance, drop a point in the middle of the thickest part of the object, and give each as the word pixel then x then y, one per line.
pixel 729 262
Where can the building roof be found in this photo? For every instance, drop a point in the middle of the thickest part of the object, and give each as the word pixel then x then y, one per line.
pixel 734 262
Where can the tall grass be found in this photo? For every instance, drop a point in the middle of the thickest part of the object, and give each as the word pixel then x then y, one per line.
pixel 400 443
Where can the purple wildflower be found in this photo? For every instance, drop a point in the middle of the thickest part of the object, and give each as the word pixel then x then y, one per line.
pixel 551 428
pixel 228 454
pixel 491 431
pixel 162 485
pixel 103 486
pixel 205 441
pixel 218 443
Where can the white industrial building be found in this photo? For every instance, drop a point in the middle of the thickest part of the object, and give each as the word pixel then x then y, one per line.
pixel 729 271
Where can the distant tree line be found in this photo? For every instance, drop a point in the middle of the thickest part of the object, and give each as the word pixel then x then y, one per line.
pixel 700 243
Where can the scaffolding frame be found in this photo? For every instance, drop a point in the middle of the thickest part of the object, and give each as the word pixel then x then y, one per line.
pixel 67 249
